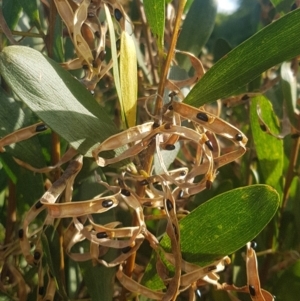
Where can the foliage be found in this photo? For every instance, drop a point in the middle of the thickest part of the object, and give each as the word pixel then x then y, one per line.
pixel 115 185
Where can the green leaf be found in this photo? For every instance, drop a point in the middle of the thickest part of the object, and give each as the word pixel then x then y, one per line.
pixel 30 7
pixel 56 97
pixel 287 287
pixel 221 226
pixel 99 280
pixel 11 10
pixel 13 118
pixel 128 78
pixel 272 45
pixel 115 60
pixel 269 149
pixel 51 251
pixel 155 13
pixel 199 24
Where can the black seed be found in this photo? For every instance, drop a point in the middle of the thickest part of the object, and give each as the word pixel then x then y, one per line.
pixel 170 107
pixel 41 290
pixel 211 268
pixel 208 184
pixel 209 145
pixel 126 249
pixel 21 233
pixel 175 231
pixel 183 173
pixel 238 137
pixel 295 135
pixel 253 244
pixel 202 116
pixel 118 14
pixel 263 127
pixel 107 203
pixel 155 125
pixel 38 205
pixel 169 205
pixel 41 128
pixel 143 182
pixel 118 44
pixel 97 34
pixel 180 194
pixel 101 235
pixel 36 255
pixel 167 126
pixel 125 192
pixel 170 147
pixel 102 55
pixel 245 97
pixel 252 290
pixel 85 67
pixel 95 64
pixel 198 292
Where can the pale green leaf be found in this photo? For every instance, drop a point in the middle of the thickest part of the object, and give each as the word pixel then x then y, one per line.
pixel 56 97
pixel 128 78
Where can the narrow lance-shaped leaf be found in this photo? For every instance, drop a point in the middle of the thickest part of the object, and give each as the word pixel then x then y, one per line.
pixel 128 78
pixel 115 60
pixel 199 24
pixel 272 45
pixel 56 97
pixel 221 226
pixel 269 149
pixel 155 13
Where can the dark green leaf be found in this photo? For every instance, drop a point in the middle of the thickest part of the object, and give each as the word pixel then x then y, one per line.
pixel 51 250
pixel 221 226
pixel 199 24
pixel 30 7
pixel 272 45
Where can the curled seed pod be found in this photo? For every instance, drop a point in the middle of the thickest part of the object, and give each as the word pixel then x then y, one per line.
pixel 202 116
pixel 125 192
pixel 102 55
pixel 107 203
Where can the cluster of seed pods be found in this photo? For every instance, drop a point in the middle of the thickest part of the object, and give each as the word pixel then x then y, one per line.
pixel 88 35
pixel 207 141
